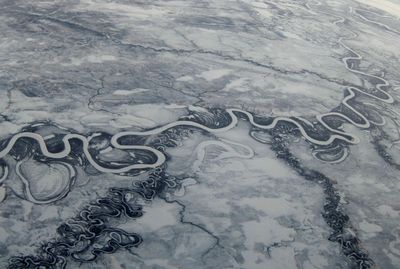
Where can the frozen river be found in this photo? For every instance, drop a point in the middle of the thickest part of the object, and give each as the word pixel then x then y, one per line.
pixel 199 134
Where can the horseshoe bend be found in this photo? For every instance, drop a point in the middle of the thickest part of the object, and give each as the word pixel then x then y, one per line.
pixel 199 134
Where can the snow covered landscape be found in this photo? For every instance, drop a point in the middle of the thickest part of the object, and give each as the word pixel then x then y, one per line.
pixel 177 134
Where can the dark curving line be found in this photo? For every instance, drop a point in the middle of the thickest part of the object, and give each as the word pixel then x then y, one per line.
pixel 77 238
pixel 333 212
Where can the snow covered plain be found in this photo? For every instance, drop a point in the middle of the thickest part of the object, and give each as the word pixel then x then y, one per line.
pixel 199 134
